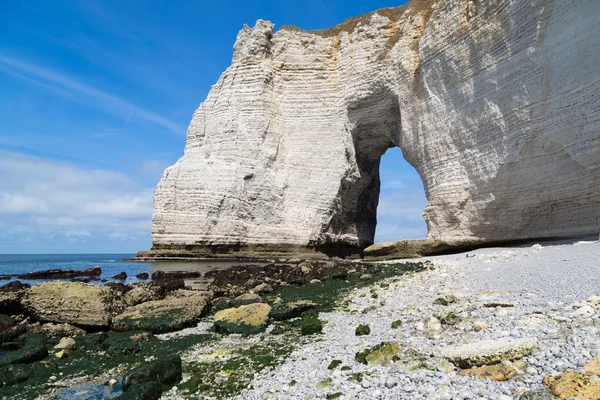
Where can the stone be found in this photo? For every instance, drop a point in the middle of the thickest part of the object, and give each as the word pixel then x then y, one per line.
pixel 488 352
pixel 61 274
pixel 491 372
pixel 366 277
pixel 263 288
pixel 313 111
pixel 65 343
pixel 53 330
pixel 397 324
pixel 411 361
pixel 120 276
pixel 248 319
pixel 164 370
pixel 140 293
pixel 305 268
pixel 180 309
pixel 33 349
pixel 143 276
pixel 538 394
pixel 72 303
pixel 311 325
pixel 573 384
pixel 243 299
pixel 10 297
pixel 478 326
pixel 583 311
pixel 144 391
pixel 291 310
pixel 446 300
pixel 593 367
pixel 334 364
pixel 381 354
pixel 362 330
pixel 13 374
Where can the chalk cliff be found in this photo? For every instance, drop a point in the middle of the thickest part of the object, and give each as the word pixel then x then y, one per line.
pixel 496 103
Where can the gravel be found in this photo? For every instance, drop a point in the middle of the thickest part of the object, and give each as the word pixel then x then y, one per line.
pixel 540 291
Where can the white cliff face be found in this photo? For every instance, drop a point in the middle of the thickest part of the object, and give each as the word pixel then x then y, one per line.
pixel 496 103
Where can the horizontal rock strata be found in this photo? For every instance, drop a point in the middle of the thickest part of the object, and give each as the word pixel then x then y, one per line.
pixel 495 103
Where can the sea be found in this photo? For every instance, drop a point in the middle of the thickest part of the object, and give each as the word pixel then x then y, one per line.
pixel 111 264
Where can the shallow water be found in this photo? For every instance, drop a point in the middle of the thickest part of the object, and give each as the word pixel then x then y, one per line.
pixel 111 265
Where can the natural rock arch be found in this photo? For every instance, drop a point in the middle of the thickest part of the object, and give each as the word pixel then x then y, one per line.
pixel 494 103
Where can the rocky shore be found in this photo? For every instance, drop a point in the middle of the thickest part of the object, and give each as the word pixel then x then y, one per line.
pixel 501 323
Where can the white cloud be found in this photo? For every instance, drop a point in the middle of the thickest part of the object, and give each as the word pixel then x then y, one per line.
pixel 400 215
pixel 42 198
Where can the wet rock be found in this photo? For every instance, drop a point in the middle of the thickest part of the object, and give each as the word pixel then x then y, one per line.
pixel 164 371
pixel 291 310
pixel 175 275
pixel 53 330
pixel 143 276
pixel 178 310
pixel 381 354
pixel 169 285
pixel 61 274
pixel 488 352
pixel 120 276
pixel 119 344
pixel 491 372
pixel 33 349
pixel 244 299
pixel 573 384
pixel 13 374
pixel 72 303
pixel 248 319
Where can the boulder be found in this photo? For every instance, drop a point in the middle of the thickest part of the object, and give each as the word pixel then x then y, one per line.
pixel 489 352
pixel 72 303
pixel 593 367
pixel 53 330
pixel 65 343
pixel 248 319
pixel 180 309
pixel 165 371
pixel 291 310
pixel 140 293
pixel 61 274
pixel 573 384
pixel 10 297
pixel 411 360
pixel 33 348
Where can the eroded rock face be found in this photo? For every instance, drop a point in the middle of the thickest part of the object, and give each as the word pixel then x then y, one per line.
pixel 495 103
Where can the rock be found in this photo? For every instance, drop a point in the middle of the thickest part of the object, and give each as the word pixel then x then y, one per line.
pixel 449 318
pixel 143 391
pixel 263 288
pixel 291 310
pixel 313 281
pixel 306 268
pixel 496 304
pixel 479 325
pixel 13 374
pixel 432 324
pixel 10 297
pixel 72 303
pixel 142 276
pixel 311 325
pixel 61 274
pixel 118 344
pixel 175 275
pixel 491 372
pixel 397 324
pixel 52 330
pixel 362 330
pixel 583 311
pixel 33 349
pixel 164 371
pixel 65 343
pixel 180 309
pixel 446 300
pixel 140 293
pixel 488 352
pixel 411 361
pixel 593 367
pixel 120 276
pixel 334 364
pixel 244 299
pixel 573 384
pixel 540 394
pixel 366 277
pixel 381 354
pixel 248 319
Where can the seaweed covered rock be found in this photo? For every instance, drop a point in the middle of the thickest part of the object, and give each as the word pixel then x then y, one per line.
pixel 489 352
pixel 33 348
pixel 164 371
pixel 291 310
pixel 9 330
pixel 13 374
pixel 381 354
pixel 311 324
pixel 411 360
pixel 178 310
pixel 72 303
pixel 248 319
pixel 143 391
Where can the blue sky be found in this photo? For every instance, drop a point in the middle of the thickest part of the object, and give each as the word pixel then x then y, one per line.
pixel 95 98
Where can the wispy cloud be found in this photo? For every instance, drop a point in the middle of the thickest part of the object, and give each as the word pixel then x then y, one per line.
pixel 400 215
pixel 81 92
pixel 42 200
